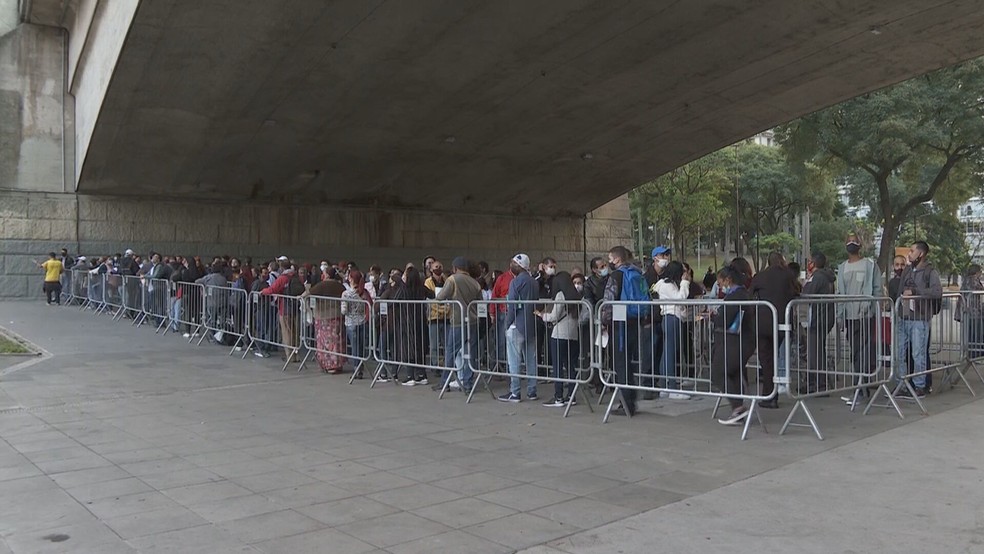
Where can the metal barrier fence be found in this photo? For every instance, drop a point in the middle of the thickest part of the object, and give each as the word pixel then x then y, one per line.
pixel 645 341
pixel 970 312
pixel 224 316
pixel 190 308
pixel 543 342
pixel 158 296
pixel 836 344
pixel 421 335
pixel 336 330
pixel 112 294
pixel 277 321
pixel 79 286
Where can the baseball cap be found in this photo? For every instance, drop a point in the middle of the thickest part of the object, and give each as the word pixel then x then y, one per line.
pixel 459 263
pixel 853 239
pixel 128 252
pixel 283 259
pixel 661 250
pixel 522 260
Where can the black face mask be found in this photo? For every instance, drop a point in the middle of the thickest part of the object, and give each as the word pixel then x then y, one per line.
pixel 853 248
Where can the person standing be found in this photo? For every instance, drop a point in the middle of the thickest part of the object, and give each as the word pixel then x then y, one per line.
pixel 674 285
pixel 971 311
pixel 709 279
pixel 564 315
pixel 437 319
pixel 68 262
pixel 625 283
pixel 858 276
pixel 777 286
pixel 520 328
pixel 53 269
pixel 821 319
pixel 734 342
pixel 461 287
pixel 922 296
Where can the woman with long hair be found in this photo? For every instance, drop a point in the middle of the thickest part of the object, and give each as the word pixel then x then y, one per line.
pixel 565 347
pixel 328 325
pixel 356 301
pixel 733 342
pixel 675 285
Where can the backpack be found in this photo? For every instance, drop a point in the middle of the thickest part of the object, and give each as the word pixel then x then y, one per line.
pixel 295 287
pixel 634 289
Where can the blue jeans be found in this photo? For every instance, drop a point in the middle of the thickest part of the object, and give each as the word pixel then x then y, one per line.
pixel 454 353
pixel 915 333
pixel 358 337
pixel 436 336
pixel 521 351
pixel 671 341
pixel 175 313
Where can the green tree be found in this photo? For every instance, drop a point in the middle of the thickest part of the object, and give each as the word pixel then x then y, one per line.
pixel 686 200
pixel 946 238
pixel 901 146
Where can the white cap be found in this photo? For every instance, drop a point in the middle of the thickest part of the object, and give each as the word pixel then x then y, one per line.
pixel 522 260
pixel 283 259
pixel 82 258
pixel 128 252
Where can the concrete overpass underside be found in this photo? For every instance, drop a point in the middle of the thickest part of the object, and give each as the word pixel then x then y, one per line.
pixel 380 130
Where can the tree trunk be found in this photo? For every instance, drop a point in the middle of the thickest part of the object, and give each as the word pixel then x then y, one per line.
pixel 886 252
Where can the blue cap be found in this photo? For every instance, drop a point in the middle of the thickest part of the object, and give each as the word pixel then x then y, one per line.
pixel 661 250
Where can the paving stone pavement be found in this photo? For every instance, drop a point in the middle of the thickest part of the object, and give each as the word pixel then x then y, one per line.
pixel 120 440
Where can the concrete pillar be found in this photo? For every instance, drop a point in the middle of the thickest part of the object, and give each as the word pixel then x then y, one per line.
pixel 9 16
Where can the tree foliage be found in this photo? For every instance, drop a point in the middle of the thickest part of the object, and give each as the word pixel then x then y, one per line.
pixel 902 146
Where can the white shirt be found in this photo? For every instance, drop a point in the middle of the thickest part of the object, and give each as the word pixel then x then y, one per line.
pixel 669 291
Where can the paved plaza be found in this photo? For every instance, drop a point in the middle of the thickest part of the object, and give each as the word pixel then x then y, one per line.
pixel 119 440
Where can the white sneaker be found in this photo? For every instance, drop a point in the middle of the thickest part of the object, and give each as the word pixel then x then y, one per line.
pixel 454 385
pixel 734 419
pixel 678 396
pixel 186 335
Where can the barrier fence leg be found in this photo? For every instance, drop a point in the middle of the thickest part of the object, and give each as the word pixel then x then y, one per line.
pixel 617 395
pixel 304 360
pixel 883 389
pixel 753 411
pixel 906 384
pixel 717 406
pixel 249 347
pixel 801 405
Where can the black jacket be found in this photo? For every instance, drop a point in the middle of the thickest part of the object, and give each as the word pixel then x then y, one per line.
pixel 821 282
pixel 775 285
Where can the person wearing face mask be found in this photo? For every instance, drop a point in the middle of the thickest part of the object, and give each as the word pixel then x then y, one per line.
pixel 661 258
pixel 734 342
pixel 594 285
pixel 922 295
pixel 564 337
pixel 898 266
pixel 374 282
pixel 858 276
pixel 819 282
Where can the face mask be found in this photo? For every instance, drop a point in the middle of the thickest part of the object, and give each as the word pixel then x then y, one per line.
pixel 372 278
pixel 579 287
pixel 662 262
pixel 551 271
pixel 853 248
pixel 324 267
pixel 605 271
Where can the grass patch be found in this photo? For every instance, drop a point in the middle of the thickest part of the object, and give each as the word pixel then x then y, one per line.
pixel 8 346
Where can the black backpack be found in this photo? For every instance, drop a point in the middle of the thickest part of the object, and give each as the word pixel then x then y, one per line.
pixel 295 287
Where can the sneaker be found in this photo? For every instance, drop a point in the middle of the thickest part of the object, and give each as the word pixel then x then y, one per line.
pixel 186 335
pixel 454 385
pixel 920 392
pixel 509 398
pixel 258 354
pixel 736 418
pixel 409 383
pixel 532 396
pixel 421 381
pixel 573 401
pixel 554 403
pixel 678 396
pixel 384 378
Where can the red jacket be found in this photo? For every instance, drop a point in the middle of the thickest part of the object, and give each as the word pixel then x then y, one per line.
pixel 501 289
pixel 279 286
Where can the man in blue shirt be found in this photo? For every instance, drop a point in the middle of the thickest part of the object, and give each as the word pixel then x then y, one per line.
pixel 521 329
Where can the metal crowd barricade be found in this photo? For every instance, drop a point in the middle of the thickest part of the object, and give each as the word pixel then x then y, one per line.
pixel 645 356
pixel 836 344
pixel 133 304
pixel 928 342
pixel 326 336
pixel 158 295
pixel 970 310
pixel 421 335
pixel 224 315
pixel 277 322
pixel 548 351
pixel 112 294
pixel 79 286
pixel 191 306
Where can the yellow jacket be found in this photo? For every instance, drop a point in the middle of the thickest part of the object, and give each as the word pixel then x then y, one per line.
pixel 438 312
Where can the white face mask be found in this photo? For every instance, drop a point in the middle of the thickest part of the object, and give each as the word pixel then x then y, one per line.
pixel 604 272
pixel 579 287
pixel 551 271
pixel 372 278
pixel 662 262
pixel 324 267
